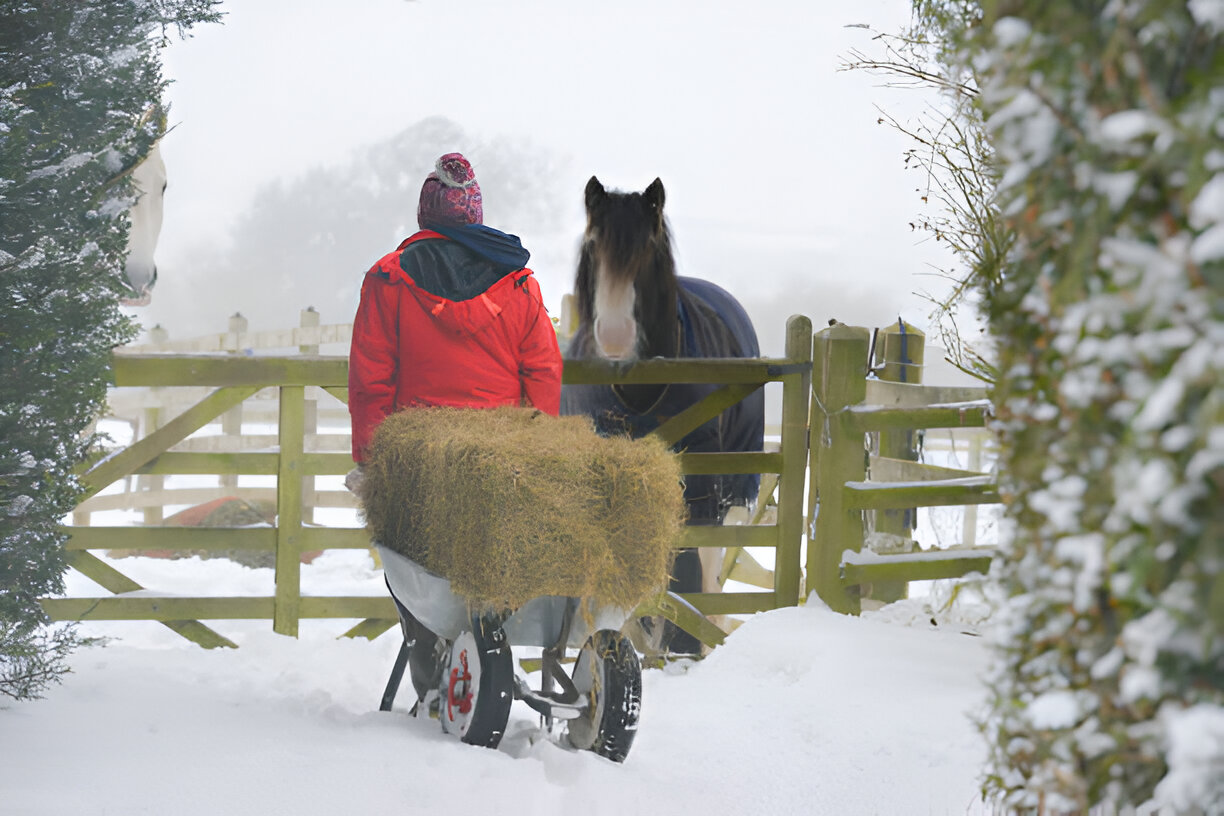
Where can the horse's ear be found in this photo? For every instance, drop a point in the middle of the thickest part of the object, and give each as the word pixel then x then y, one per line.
pixel 594 193
pixel 655 195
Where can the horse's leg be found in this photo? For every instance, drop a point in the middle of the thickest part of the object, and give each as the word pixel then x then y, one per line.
pixel 686 578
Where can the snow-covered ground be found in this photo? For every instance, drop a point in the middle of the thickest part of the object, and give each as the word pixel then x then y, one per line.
pixel 802 711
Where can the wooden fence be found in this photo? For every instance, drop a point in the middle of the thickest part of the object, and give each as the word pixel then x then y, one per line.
pixel 847 407
pixel 825 386
pixel 145 409
pixel 232 379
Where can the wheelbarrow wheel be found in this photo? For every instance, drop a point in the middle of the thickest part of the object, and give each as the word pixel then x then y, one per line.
pixel 609 674
pixel 477 685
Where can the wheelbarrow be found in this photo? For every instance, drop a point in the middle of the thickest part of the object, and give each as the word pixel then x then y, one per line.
pixel 464 670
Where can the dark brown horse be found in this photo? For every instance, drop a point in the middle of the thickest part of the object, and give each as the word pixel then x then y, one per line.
pixel 632 305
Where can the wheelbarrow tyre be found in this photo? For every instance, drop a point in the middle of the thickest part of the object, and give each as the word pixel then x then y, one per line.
pixel 477 687
pixel 609 673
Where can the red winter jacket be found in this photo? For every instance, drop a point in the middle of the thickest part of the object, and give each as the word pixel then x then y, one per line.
pixel 440 324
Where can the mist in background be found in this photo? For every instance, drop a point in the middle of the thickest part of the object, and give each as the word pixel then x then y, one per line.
pixel 307 241
pixel 303 130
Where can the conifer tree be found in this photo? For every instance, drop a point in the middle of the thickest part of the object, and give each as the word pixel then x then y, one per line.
pixel 77 81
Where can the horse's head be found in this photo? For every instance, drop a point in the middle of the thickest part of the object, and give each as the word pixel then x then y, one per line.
pixel 149 179
pixel 626 285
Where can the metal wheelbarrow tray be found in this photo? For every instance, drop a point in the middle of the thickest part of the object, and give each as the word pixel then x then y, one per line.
pixel 599 702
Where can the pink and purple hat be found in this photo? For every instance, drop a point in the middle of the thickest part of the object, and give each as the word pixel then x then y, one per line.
pixel 450 196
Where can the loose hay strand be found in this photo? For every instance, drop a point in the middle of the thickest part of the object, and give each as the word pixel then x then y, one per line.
pixel 512 504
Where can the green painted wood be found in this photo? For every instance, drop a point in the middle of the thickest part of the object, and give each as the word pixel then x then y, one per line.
pixel 112 580
pixel 170 538
pixel 732 603
pixel 884 469
pixel 739 565
pixel 289 511
pixel 291 464
pixel 680 370
pixel 158 609
pixel 214 370
pixel 173 609
pixel 762 535
pixel 698 414
pixel 682 613
pixel 101 573
pixel 337 392
pixel 969 415
pixel 839 365
pixel 327 464
pixel 912 567
pixel 902 353
pixel 902 348
pixel 787 567
pixel 173 462
pixel 769 484
pixel 142 451
pixel 371 628
pixel 355 606
pixel 950 492
pixel 334 538
pixel 915 395
pixel 694 464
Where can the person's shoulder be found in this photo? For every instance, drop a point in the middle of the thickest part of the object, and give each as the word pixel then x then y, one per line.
pixel 382 268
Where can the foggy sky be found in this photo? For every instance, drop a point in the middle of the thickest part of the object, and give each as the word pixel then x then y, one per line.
pixel 781 186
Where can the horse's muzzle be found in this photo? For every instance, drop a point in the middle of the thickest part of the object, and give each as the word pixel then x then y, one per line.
pixel 616 338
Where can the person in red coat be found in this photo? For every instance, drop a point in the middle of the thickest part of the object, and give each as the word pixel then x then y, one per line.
pixel 453 317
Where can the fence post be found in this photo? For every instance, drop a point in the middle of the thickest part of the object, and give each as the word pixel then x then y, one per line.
pixel 794 448
pixel 969 523
pixel 310 416
pixel 152 420
pixel 839 369
pixel 568 324
pixel 231 420
pixel 289 512
pixel 902 348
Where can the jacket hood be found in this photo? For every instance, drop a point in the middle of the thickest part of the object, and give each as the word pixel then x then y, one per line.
pixel 501 248
pixel 461 288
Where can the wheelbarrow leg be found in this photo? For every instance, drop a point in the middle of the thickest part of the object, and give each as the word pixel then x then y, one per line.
pixel 397 675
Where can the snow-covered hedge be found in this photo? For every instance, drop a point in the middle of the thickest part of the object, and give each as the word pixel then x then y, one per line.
pixel 1107 122
pixel 75 79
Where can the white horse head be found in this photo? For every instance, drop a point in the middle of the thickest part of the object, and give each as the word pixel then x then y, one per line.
pixel 149 179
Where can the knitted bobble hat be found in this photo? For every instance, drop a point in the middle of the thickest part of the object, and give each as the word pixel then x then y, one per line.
pixel 450 196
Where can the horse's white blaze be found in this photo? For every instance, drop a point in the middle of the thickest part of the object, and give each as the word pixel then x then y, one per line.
pixel 149 178
pixel 616 330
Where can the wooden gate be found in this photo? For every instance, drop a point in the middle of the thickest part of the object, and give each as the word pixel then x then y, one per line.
pixel 237 378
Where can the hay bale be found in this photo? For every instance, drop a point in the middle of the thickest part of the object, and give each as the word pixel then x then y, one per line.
pixel 511 504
